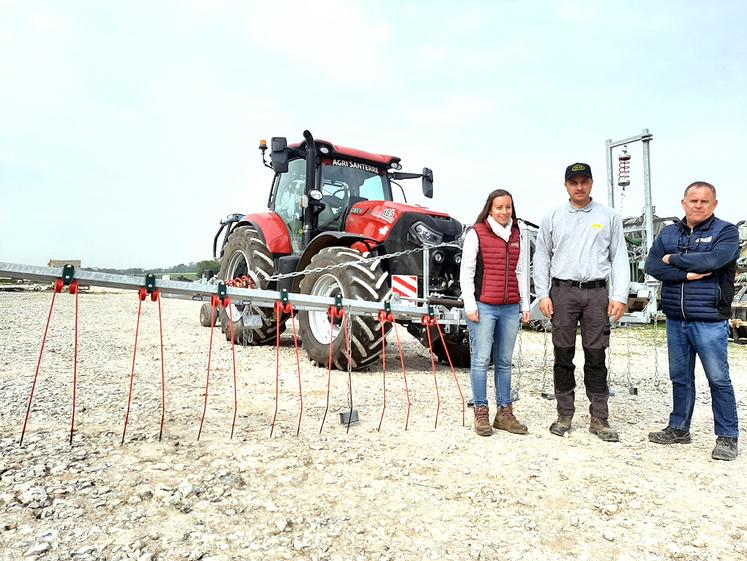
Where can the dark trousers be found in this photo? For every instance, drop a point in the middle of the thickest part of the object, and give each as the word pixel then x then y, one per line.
pixel 587 306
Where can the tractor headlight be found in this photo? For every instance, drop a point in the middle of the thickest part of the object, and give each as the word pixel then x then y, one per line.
pixel 425 235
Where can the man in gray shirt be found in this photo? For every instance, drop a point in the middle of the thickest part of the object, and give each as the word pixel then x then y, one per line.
pixel 580 246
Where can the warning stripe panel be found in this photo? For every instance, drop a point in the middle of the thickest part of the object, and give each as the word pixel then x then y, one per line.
pixel 405 285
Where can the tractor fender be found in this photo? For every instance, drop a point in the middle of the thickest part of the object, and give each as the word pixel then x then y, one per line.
pixel 272 231
pixel 329 239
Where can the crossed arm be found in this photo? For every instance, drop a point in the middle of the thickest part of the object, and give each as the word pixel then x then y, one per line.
pixel 724 251
pixel 679 267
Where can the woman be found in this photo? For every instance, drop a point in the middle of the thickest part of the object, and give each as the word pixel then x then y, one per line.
pixel 492 278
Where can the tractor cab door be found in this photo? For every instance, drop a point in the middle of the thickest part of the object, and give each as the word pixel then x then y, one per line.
pixel 287 191
pixel 336 197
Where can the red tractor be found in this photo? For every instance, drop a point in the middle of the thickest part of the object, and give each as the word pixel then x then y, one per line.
pixel 331 205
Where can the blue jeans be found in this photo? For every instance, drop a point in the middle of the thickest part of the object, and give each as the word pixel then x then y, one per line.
pixel 709 341
pixel 496 330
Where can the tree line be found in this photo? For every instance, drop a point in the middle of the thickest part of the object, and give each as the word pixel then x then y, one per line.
pixel 193 267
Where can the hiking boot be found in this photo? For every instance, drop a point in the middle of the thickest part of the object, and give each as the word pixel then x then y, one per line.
pixel 482 420
pixel 726 449
pixel 603 430
pixel 670 435
pixel 561 425
pixel 505 420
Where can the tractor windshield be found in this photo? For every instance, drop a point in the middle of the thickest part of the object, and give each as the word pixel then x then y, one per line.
pixel 350 181
pixel 344 183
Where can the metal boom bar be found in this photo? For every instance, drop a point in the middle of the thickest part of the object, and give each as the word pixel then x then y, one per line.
pixel 241 296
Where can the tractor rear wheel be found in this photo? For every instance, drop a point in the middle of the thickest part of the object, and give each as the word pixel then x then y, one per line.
pixel 244 252
pixel 357 281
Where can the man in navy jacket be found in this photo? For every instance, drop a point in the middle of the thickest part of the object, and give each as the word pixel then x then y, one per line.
pixel 696 261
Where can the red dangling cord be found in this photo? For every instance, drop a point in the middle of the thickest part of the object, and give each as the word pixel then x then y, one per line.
pixel 453 371
pixel 74 290
pixel 227 304
pixel 214 305
pixel 142 293
pixel 333 314
pixel 428 321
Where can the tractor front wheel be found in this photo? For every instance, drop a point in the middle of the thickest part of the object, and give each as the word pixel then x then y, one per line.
pixel 243 253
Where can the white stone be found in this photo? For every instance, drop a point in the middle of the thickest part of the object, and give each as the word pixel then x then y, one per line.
pixel 38 549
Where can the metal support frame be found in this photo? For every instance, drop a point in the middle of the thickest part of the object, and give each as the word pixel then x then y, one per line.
pixel 650 285
pixel 242 296
pixel 529 238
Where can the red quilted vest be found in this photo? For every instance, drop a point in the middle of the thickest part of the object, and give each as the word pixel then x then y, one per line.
pixel 495 274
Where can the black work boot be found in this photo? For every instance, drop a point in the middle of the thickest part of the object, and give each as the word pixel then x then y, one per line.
pixel 602 429
pixel 566 404
pixel 561 425
pixel 726 449
pixel 670 435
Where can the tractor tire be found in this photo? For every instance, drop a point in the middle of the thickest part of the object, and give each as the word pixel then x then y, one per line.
pixel 457 344
pixel 245 251
pixel 365 281
pixel 206 316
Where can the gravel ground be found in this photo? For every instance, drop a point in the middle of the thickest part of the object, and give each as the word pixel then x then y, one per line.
pixel 424 493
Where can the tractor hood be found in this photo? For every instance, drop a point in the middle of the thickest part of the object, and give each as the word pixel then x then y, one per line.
pixel 377 220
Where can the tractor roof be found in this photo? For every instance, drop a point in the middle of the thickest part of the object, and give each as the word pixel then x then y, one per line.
pixel 380 160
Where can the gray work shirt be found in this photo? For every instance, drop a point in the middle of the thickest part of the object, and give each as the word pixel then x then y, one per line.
pixel 582 244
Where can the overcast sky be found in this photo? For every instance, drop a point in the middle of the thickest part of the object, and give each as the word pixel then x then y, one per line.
pixel 128 129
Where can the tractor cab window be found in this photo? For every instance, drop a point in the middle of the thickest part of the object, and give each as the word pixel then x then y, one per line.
pixel 287 201
pixel 343 186
pixel 373 189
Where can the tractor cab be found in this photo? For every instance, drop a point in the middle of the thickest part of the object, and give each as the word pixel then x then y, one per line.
pixel 316 184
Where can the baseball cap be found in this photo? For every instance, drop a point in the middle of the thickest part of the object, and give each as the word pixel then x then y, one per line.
pixel 577 169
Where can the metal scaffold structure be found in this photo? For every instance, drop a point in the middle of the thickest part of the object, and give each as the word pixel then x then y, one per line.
pixel 639 234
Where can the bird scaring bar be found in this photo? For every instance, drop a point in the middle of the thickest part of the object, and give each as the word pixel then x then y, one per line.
pixel 240 296
pixel 218 295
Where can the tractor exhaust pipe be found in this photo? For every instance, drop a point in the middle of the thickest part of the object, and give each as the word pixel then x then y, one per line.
pixel 310 184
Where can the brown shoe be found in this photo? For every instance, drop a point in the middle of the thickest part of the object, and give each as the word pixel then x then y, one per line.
pixel 482 420
pixel 505 420
pixel 602 430
pixel 561 425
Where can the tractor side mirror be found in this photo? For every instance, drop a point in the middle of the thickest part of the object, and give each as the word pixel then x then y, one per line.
pixel 279 154
pixel 428 183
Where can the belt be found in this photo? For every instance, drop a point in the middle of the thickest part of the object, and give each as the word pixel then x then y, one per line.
pixel 599 283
